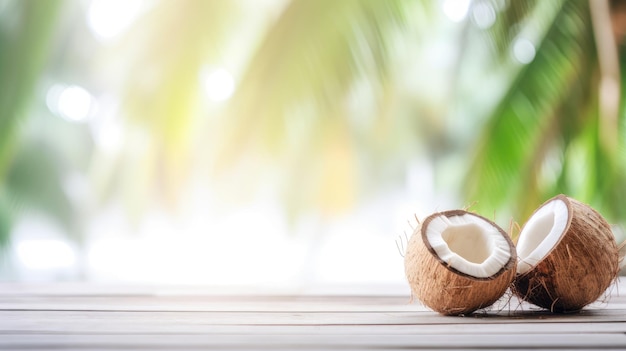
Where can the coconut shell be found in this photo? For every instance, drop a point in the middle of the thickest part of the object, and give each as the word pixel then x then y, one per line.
pixel 580 267
pixel 443 288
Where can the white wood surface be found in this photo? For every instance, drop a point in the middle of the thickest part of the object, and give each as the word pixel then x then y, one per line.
pixel 109 317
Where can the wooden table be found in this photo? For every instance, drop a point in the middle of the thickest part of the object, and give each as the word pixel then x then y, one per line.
pixel 104 317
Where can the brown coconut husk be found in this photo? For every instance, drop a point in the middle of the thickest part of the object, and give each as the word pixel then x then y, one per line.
pixel 580 267
pixel 445 289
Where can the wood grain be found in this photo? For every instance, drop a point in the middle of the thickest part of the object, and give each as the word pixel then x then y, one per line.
pixel 93 317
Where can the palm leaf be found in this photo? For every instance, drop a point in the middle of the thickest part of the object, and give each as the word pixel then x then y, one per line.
pixel 546 107
pixel 23 52
pixel 167 47
pixel 291 104
pixel 310 59
pixel 508 24
pixel 24 48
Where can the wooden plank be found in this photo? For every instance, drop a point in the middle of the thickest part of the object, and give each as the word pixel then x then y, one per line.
pixel 211 303
pixel 188 328
pixel 452 341
pixel 250 304
pixel 617 290
pixel 86 321
pixel 159 305
pixel 79 316
pixel 104 289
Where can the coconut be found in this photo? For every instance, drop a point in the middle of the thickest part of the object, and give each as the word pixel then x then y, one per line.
pixel 458 262
pixel 567 256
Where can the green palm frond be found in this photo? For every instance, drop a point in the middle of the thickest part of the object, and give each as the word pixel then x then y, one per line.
pixel 509 22
pixel 547 123
pixel 162 57
pixel 24 47
pixel 169 46
pixel 312 56
pixel 25 30
pixel 292 101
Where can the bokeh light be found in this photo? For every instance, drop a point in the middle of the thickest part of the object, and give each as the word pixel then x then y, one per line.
pixel 219 84
pixel 523 50
pixel 47 254
pixel 41 246
pixel 483 14
pixel 72 102
pixel 456 10
pixel 108 19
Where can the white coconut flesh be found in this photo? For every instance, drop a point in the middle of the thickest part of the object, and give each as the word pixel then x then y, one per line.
pixel 469 244
pixel 540 234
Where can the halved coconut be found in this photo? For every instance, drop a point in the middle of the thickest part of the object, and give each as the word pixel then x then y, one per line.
pixel 457 262
pixel 567 256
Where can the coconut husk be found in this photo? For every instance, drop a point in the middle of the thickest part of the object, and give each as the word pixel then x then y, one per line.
pixel 580 267
pixel 445 289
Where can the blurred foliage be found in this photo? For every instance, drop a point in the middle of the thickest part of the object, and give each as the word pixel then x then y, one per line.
pixel 25 43
pixel 543 138
pixel 509 23
pixel 315 52
pixel 163 57
pixel 293 100
pixel 320 94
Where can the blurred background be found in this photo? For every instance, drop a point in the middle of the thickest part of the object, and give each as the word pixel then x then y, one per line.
pixel 293 142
